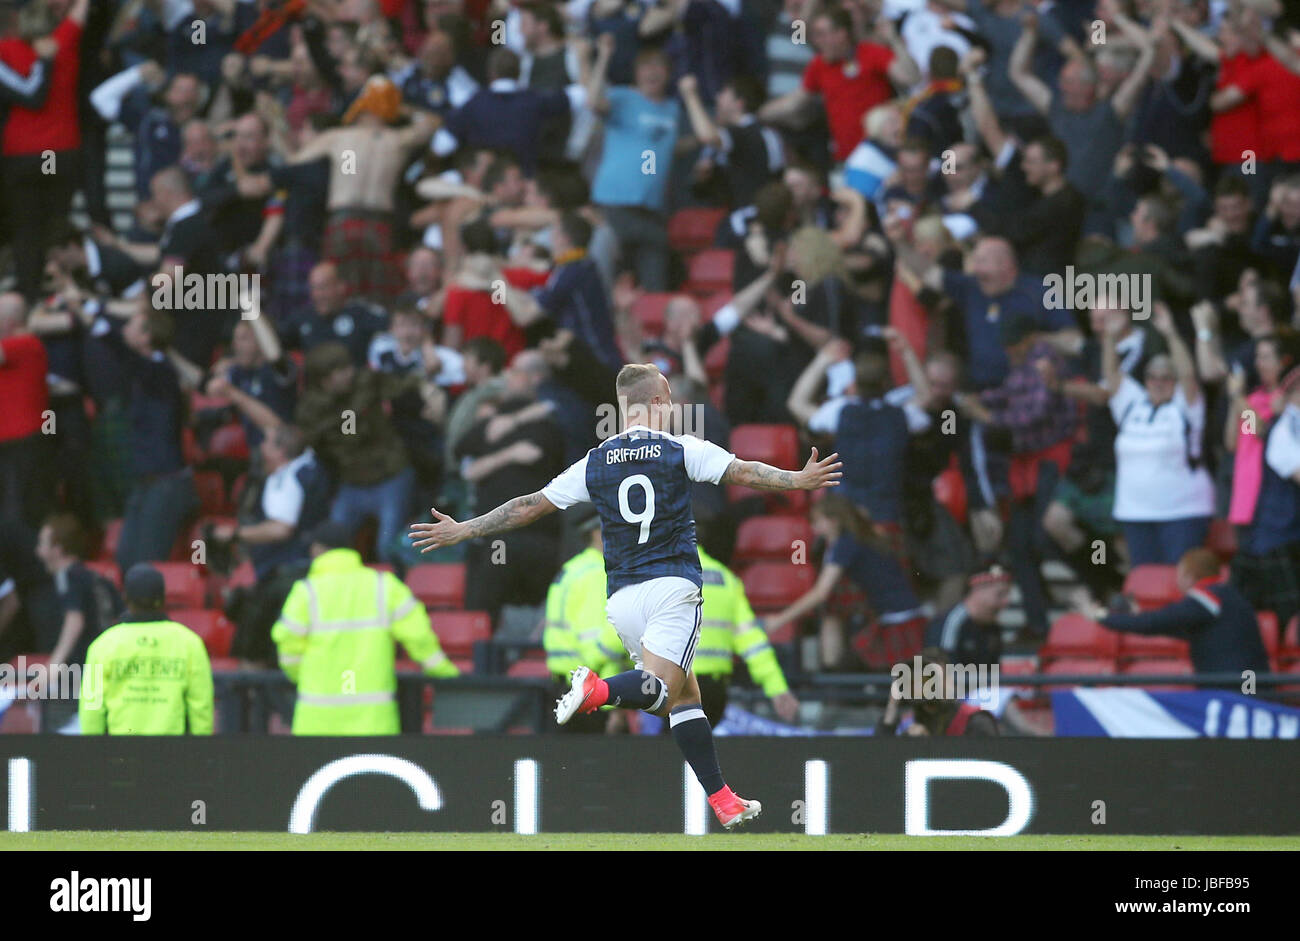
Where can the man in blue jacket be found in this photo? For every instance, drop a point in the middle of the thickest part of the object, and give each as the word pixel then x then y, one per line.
pixel 1214 618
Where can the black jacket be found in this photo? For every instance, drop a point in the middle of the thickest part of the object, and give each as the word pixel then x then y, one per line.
pixel 1217 622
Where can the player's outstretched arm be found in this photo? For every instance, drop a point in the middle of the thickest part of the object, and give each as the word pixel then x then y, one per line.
pixel 445 531
pixel 814 476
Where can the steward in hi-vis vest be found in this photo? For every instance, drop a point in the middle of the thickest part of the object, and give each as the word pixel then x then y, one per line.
pixel 729 629
pixel 147 675
pixel 337 637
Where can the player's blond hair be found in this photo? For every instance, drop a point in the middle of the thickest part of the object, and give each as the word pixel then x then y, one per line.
pixel 637 383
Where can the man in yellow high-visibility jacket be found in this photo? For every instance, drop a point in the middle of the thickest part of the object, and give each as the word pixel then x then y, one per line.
pixel 577 631
pixel 337 636
pixel 147 675
pixel 728 628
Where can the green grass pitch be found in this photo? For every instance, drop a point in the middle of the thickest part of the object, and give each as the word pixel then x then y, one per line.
pixel 158 840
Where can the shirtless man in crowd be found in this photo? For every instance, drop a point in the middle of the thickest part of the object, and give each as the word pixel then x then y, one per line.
pixel 366 157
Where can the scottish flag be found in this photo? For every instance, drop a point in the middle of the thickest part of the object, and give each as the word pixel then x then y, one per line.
pixel 1139 713
pixel 867 169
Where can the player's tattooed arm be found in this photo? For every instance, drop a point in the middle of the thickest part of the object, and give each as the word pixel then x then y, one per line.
pixel 758 475
pixel 445 531
pixel 814 476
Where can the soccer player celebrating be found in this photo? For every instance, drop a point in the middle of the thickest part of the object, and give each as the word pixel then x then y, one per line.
pixel 640 483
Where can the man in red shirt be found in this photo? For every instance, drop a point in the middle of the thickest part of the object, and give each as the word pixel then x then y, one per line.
pixel 1269 81
pixel 24 397
pixel 851 78
pixel 475 305
pixel 1234 130
pixel 41 147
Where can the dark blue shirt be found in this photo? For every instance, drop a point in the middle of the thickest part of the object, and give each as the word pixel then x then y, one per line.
pixel 157 138
pixel 986 359
pixel 640 483
pixel 275 385
pixel 878 574
pixel 353 326
pixel 1217 622
pixel 306 187
pixel 435 94
pixel 508 120
pixel 963 639
pixel 871 439
pixel 155 403
pixel 185 53
pixel 574 298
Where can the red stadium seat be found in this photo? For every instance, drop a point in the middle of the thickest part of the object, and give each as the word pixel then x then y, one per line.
pixel 1153 586
pixel 224 664
pixel 1151 647
pixel 710 272
pixel 710 306
pixel 775 502
pixel 648 309
pixel 777 445
pixel 1287 650
pixel 217 632
pixel 1168 667
pixel 438 585
pixel 1222 540
pixel 186 586
pixel 715 360
pixel 1017 666
pixel 771 539
pixel 1078 666
pixel 1268 631
pixel 529 667
pixel 1290 669
pixel 950 492
pixel 112 533
pixel 691 230
pixel 191 453
pixel 211 487
pixel 1073 635
pixel 458 631
pixel 242 577
pixel 229 441
pixel 770 586
pixel 106 569
pixel 464 664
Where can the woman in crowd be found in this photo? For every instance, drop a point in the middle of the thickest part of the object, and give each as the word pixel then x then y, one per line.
pixel 1164 496
pixel 856 547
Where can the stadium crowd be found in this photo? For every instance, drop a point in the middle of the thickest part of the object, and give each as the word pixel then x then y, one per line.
pixel 448 223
